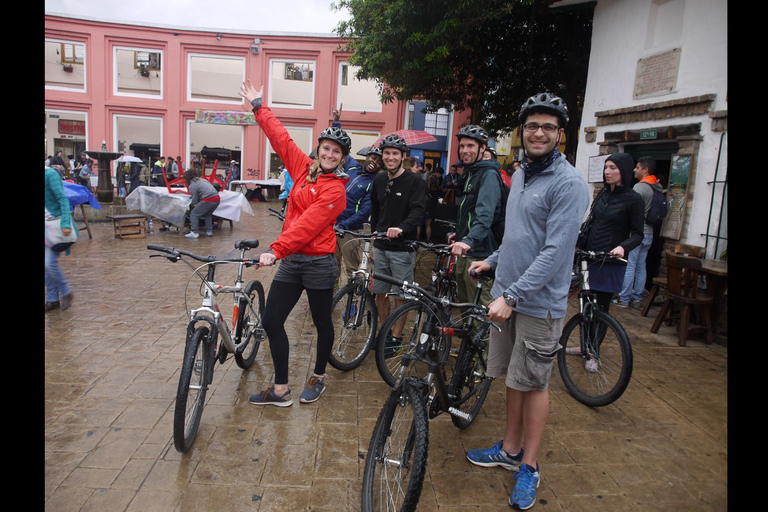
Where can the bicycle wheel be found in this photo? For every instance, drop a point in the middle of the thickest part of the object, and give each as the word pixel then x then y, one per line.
pixel 469 385
pixel 193 385
pixel 414 315
pixel 249 325
pixel 603 382
pixel 397 454
pixel 355 319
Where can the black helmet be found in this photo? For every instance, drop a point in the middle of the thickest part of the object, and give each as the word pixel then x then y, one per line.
pixel 474 132
pixel 546 102
pixel 337 135
pixel 374 150
pixel 393 141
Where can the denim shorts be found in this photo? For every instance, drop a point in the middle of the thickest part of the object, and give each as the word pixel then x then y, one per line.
pixel 312 272
pixel 524 351
pixel 398 264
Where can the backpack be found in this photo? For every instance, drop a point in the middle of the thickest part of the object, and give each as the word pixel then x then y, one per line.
pixel 658 208
pixel 497 227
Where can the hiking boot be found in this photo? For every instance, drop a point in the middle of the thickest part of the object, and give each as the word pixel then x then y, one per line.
pixel 50 306
pixel 312 392
pixel 524 494
pixel 268 397
pixel 495 456
pixel 393 346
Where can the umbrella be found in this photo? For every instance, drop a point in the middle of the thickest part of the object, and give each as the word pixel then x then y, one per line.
pixel 78 194
pixel 412 137
pixel 128 158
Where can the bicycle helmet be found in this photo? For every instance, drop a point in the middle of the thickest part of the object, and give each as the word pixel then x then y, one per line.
pixel 374 150
pixel 474 132
pixel 545 102
pixel 337 135
pixel 393 141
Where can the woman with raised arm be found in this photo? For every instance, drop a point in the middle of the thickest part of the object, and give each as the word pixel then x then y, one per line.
pixel 306 246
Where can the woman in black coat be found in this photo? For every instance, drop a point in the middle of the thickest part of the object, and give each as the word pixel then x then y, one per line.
pixel 617 226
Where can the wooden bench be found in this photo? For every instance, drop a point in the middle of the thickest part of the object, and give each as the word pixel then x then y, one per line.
pixel 129 225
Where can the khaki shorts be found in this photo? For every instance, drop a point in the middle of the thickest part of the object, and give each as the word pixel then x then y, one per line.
pixel 397 264
pixel 524 350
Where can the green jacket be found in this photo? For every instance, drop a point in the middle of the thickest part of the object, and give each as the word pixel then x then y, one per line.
pixel 480 205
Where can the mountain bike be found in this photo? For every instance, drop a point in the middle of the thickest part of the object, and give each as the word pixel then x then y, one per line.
pixel 354 312
pixel 209 337
pixel 595 361
pixel 397 454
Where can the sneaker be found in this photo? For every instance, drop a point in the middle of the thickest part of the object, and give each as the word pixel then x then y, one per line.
pixel 268 397
pixel 66 301
pixel 591 365
pixel 618 302
pixel 312 392
pixel 524 494
pixel 637 304
pixel 50 306
pixel 495 456
pixel 393 346
pixel 209 233
pixel 192 234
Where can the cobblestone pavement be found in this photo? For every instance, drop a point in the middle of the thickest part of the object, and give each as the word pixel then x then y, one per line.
pixel 112 366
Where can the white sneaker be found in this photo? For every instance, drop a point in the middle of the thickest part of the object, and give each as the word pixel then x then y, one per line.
pixel 192 234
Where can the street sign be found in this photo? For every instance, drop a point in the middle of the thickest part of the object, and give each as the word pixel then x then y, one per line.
pixel 648 134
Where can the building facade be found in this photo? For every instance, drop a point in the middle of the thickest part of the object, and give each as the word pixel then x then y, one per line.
pixel 657 86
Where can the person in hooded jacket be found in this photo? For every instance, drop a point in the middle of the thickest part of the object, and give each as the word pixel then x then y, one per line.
pixel 617 226
pixel 306 246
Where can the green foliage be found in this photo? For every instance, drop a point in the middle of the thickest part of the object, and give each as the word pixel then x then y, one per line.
pixel 483 55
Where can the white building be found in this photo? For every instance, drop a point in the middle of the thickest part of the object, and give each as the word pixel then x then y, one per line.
pixel 657 86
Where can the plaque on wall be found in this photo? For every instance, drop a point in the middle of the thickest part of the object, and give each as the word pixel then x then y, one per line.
pixel 676 191
pixel 657 74
pixel 595 171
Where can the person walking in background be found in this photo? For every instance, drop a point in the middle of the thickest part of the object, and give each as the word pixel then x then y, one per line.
pixel 135 176
pixel 306 247
pixel 204 199
pixel 122 174
pixel 632 289
pixel 57 289
pixel 533 267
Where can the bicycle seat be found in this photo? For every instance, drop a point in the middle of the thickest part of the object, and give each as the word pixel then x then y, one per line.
pixel 248 243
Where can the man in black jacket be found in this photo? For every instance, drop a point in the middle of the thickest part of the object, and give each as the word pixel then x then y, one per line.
pixel 480 206
pixel 398 203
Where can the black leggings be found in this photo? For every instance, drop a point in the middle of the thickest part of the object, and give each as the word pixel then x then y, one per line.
pixel 280 302
pixel 603 300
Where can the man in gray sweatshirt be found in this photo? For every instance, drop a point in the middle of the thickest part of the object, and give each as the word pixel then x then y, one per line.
pixel 546 205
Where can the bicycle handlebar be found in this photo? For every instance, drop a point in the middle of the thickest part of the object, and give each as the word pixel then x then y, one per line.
pixel 414 287
pixel 175 254
pixel 598 255
pixel 356 234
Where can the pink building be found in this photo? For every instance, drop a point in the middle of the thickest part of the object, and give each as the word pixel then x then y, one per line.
pixel 141 88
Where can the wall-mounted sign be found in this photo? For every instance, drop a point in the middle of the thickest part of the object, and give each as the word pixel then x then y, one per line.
pixel 657 74
pixel 648 134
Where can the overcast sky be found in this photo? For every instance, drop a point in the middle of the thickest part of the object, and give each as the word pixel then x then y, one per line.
pixel 315 16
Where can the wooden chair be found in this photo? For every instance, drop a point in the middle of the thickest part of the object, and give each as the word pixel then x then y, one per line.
pixel 660 282
pixel 683 288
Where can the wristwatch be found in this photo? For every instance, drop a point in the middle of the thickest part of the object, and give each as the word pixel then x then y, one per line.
pixel 510 299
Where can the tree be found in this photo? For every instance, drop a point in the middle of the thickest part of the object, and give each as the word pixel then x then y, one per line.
pixel 486 56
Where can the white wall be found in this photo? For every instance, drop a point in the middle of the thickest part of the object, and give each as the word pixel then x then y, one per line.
pixel 621 37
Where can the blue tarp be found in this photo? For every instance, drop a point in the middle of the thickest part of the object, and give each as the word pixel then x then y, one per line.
pixel 78 194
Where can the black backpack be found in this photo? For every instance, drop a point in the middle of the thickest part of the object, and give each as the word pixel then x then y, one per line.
pixel 497 227
pixel 658 208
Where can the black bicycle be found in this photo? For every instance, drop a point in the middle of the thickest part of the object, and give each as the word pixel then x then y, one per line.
pixel 595 361
pixel 429 383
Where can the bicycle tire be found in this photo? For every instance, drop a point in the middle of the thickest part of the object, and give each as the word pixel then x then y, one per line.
pixel 352 343
pixel 415 314
pixel 470 385
pixel 249 325
pixel 396 462
pixel 196 370
pixel 614 360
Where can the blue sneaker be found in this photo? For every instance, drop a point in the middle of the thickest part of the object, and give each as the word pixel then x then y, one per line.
pixel 312 392
pixel 192 234
pixel 495 456
pixel 268 397
pixel 524 494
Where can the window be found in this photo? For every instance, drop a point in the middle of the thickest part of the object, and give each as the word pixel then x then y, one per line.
pixel 215 78
pixel 65 65
pixel 291 84
pixel 357 95
pixel 138 72
pixel 436 123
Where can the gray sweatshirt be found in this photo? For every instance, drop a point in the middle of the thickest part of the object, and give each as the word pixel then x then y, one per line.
pixel 535 259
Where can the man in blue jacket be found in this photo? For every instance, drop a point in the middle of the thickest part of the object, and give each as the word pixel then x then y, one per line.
pixel 357 212
pixel 547 202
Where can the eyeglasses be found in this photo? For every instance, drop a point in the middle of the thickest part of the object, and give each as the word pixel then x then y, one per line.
pixel 389 186
pixel 534 127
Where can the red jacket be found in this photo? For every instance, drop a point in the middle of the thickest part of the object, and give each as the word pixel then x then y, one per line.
pixel 313 207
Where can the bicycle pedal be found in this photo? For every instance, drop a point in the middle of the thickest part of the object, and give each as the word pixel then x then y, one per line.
pixel 459 414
